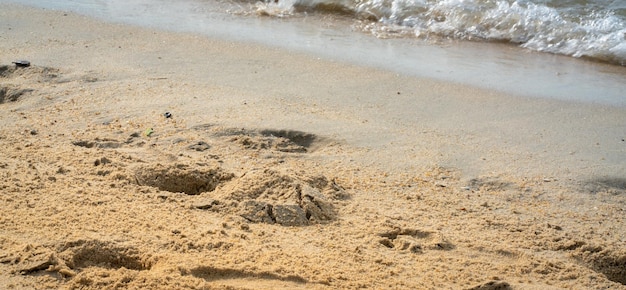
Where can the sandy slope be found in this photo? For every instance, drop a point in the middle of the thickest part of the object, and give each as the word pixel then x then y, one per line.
pixel 277 170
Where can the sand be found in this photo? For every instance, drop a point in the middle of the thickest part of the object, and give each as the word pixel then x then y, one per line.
pixel 279 170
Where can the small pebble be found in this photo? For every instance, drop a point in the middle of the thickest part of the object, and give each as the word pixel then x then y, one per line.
pixel 22 63
pixel 167 115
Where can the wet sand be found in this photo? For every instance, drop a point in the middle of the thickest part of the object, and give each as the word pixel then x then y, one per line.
pixel 281 170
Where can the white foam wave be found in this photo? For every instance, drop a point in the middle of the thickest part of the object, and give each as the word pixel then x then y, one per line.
pixel 575 31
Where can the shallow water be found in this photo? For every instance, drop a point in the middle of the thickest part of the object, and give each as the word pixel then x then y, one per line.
pixel 499 66
pixel 590 28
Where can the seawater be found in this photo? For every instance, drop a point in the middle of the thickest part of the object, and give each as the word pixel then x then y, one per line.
pixel 496 44
pixel 579 28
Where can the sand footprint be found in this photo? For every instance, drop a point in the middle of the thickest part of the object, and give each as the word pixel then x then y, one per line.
pixel 414 240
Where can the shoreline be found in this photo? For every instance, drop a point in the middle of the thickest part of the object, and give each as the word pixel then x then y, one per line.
pixel 491 66
pixel 297 172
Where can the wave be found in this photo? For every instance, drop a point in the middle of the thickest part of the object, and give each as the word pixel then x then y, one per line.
pixel 578 28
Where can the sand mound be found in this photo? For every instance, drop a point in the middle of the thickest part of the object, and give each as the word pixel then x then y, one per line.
pixel 269 196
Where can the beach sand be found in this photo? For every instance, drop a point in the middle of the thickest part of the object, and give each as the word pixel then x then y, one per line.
pixel 279 170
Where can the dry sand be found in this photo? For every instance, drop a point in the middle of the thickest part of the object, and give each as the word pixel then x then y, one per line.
pixel 283 171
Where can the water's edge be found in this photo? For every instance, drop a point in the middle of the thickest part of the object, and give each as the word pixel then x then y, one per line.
pixel 489 65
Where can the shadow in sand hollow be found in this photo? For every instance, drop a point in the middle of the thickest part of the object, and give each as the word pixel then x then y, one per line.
pixel 616 185
pixel 212 274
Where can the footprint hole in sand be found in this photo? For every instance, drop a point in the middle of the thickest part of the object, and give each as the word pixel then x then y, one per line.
pixel 610 263
pixel 37 73
pixel 288 141
pixel 306 140
pixel 98 143
pixel 491 184
pixel 84 254
pixel 613 185
pixel 393 234
pixel 179 178
pixel 212 274
pixel 12 93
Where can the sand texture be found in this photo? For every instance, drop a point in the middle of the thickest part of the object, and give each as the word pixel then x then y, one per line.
pixel 277 170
